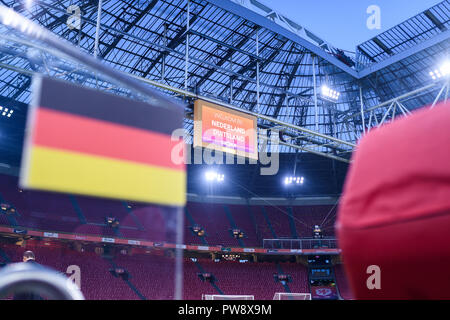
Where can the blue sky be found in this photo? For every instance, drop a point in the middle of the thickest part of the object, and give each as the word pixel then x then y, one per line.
pixel 343 22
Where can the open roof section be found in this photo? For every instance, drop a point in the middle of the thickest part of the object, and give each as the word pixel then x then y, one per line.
pixel 424 30
pixel 398 61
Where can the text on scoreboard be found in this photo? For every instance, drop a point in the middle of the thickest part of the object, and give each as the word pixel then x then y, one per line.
pixel 224 129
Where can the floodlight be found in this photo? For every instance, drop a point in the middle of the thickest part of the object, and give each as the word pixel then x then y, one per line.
pixel 293 180
pixel 329 94
pixel 443 71
pixel 6 112
pixel 214 176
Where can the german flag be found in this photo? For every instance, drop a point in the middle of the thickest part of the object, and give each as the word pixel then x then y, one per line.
pixel 89 142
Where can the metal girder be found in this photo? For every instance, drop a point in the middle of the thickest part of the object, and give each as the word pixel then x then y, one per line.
pixel 277 29
pixel 228 55
pixel 130 25
pixel 64 50
pixel 382 46
pixel 175 42
pixel 52 24
pixel 390 101
pixel 288 83
pixel 366 54
pixel 167 50
pixel 213 73
pixel 395 105
pixel 251 66
pixel 404 54
pixel 326 155
pixel 435 20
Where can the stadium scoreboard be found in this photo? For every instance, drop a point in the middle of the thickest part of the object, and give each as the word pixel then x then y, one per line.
pixel 225 130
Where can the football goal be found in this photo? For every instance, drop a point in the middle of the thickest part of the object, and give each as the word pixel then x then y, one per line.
pixel 227 297
pixel 291 296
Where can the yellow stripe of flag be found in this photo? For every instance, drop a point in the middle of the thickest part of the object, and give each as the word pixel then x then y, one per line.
pixel 73 172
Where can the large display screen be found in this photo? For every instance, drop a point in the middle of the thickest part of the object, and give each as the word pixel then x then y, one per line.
pixel 224 129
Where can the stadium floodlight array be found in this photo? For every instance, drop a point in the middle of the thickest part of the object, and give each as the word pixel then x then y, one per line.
pixel 291 296
pixel 443 71
pixel 227 297
pixel 214 176
pixel 329 94
pixel 293 180
pixel 6 112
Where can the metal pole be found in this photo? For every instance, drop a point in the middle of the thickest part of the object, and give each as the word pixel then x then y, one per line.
pixel 316 115
pixel 97 36
pixel 446 92
pixel 97 29
pixel 163 71
pixel 401 97
pixel 79 30
pixel 438 96
pixel 393 111
pixel 370 121
pixel 231 80
pixel 386 114
pixel 257 71
pixel 186 62
pixel 362 111
pixel 403 109
pixel 178 295
pixel 231 90
pixel 375 117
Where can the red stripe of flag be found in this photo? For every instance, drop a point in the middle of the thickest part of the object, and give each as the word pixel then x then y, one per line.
pixel 66 131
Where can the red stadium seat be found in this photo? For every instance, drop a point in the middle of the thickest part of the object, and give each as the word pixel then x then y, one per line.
pixel 395 209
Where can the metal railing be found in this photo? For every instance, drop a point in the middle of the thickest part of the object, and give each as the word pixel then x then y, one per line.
pixel 303 243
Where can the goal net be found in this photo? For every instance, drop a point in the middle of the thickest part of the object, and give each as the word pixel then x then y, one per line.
pixel 227 297
pixel 291 296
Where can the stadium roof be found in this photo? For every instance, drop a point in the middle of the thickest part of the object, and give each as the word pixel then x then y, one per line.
pixel 240 52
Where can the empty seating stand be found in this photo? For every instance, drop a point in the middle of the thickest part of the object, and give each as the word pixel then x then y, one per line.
pixel 85 215
pixel 235 278
pixel 305 217
pixel 342 282
pixel 152 275
pixel 212 218
pixel 279 219
pixel 245 221
pixel 97 283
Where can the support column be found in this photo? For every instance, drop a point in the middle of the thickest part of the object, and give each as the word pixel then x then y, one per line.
pixel 163 67
pixel 439 95
pixel 446 92
pixel 231 81
pixel 186 62
pixel 362 111
pixel 97 29
pixel 257 73
pixel 316 111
